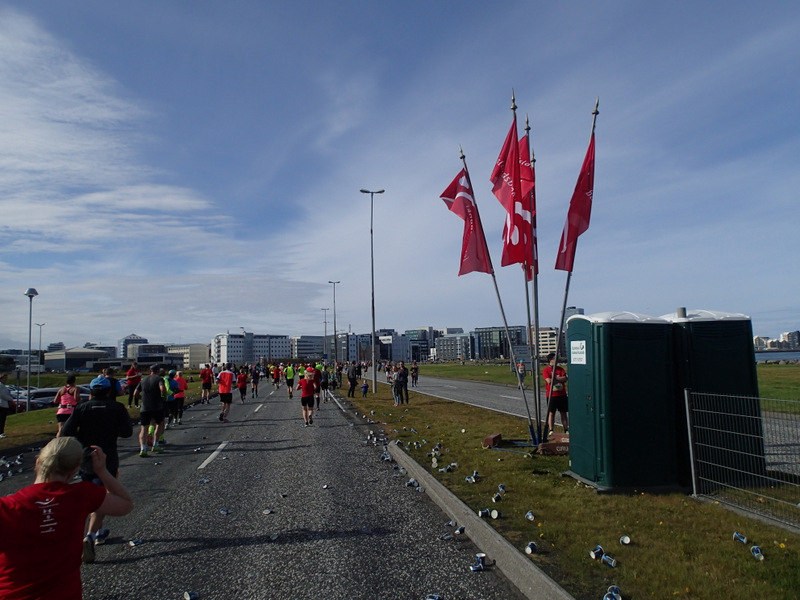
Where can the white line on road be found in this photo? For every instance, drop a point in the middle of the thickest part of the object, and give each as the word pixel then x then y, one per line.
pixel 511 397
pixel 214 455
pixel 258 408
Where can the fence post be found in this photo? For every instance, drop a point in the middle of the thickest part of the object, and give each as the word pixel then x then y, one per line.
pixel 687 395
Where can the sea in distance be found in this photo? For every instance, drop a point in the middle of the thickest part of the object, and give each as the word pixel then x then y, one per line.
pixel 777 355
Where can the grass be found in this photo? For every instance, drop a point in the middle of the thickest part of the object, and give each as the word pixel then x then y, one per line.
pixel 681 548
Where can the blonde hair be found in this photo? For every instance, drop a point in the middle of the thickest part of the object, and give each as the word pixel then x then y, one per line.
pixel 60 456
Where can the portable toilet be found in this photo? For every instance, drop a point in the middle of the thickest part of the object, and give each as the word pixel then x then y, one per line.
pixel 714 356
pixel 621 400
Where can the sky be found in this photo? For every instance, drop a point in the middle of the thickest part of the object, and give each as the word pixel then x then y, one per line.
pixel 181 169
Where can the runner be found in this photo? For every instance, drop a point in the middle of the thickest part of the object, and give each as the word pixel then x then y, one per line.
pixel 241 383
pixel 255 375
pixel 180 396
pixel 225 380
pixel 288 373
pixel 307 389
pixel 206 379
pixel 151 392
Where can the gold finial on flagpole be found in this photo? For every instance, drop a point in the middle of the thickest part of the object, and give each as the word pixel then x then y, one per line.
pixel 513 101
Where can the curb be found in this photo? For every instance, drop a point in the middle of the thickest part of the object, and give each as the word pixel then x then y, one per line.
pixel 529 579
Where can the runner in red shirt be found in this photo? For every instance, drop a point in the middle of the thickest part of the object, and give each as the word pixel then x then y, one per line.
pixel 307 389
pixel 206 379
pixel 225 380
pixel 241 383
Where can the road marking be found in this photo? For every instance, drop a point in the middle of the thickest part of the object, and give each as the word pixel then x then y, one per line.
pixel 258 408
pixel 214 455
pixel 512 397
pixel 452 387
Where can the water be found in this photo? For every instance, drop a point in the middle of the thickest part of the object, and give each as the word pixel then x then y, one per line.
pixel 777 355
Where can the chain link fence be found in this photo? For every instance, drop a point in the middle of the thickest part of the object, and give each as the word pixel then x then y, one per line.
pixel 745 452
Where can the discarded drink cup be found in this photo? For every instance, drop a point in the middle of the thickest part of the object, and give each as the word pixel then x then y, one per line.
pixel 497 498
pixel 597 553
pixel 738 537
pixel 450 524
pixel 133 543
pixel 501 488
pixel 625 540
pixel 612 596
pixel 459 531
pixel 496 514
pixel 190 595
pixel 756 552
pixel 530 516
pixel 613 589
pixel 480 559
pixel 531 548
pixel 609 560
pixel 483 513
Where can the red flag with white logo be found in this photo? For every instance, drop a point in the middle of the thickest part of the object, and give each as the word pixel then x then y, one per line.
pixel 461 200
pixel 528 183
pixel 506 187
pixel 580 210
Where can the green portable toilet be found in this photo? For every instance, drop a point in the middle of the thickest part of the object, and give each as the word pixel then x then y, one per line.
pixel 621 400
pixel 714 355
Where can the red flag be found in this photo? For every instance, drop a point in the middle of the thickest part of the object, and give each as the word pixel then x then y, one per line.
pixel 506 187
pixel 460 199
pixel 580 210
pixel 528 181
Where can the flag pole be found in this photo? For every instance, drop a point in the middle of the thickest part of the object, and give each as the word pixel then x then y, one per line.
pixel 502 312
pixel 561 325
pixel 535 284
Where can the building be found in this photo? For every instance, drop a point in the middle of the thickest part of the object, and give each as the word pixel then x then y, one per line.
pixel 250 348
pixel 138 352
pixel 110 350
pixel 422 341
pixel 454 347
pixel 548 341
pixel 394 347
pixel 491 343
pixel 791 339
pixel 73 359
pixel 127 341
pixel 307 346
pixel 190 356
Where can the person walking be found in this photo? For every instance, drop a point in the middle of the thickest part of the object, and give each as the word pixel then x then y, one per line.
pixel 67 398
pixel 225 379
pixel 414 374
pixel 98 423
pixel 151 391
pixel 402 382
pixel 5 403
pixel 45 521
pixel 352 379
pixel 132 379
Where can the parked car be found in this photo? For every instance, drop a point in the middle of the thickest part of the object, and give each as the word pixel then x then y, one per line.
pixel 42 398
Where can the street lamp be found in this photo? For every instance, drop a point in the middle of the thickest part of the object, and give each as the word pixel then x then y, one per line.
pixel 372 271
pixel 39 370
pixel 325 339
pixel 30 293
pixel 335 340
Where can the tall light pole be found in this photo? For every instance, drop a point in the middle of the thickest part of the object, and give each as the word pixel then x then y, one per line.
pixel 39 370
pixel 372 271
pixel 30 293
pixel 335 340
pixel 325 339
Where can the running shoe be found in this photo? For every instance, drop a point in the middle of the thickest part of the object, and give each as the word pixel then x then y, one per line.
pixel 221 416
pixel 157 449
pixel 101 536
pixel 143 453
pixel 88 549
pixel 225 421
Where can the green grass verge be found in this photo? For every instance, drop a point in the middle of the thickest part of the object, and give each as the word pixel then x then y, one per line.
pixel 681 548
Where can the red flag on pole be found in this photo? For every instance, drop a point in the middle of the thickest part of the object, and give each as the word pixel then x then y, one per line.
pixel 460 199
pixel 580 210
pixel 507 188
pixel 528 184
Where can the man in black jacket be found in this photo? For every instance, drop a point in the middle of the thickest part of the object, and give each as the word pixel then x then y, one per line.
pixel 98 422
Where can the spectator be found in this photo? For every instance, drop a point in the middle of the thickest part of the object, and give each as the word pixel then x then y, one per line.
pixel 133 377
pixel 5 403
pixel 556 391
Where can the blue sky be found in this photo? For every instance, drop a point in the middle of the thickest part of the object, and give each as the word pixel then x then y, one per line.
pixel 179 169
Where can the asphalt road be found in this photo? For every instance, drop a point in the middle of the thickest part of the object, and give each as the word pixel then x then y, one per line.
pixel 341 523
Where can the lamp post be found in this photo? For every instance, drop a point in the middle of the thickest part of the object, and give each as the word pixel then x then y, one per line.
pixel 39 370
pixel 325 339
pixel 30 293
pixel 335 340
pixel 372 272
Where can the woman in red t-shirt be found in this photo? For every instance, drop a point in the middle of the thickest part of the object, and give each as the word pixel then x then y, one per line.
pixel 241 383
pixel 307 387
pixel 46 520
pixel 558 396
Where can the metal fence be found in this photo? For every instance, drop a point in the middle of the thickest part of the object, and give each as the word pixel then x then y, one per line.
pixel 745 452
